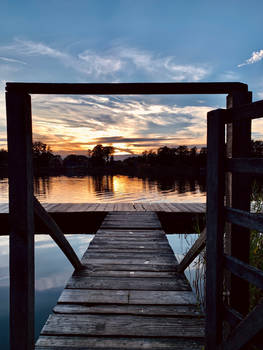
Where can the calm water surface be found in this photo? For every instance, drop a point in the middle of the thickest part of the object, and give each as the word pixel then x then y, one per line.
pixel 113 188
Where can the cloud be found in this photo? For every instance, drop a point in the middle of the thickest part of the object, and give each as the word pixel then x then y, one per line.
pixel 11 60
pixel 114 63
pixel 74 124
pixel 256 57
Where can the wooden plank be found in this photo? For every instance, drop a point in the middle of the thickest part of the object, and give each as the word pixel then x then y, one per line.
pixel 246 330
pixel 76 296
pixel 160 310
pixel 114 343
pixel 133 267
pixel 22 291
pixel 215 228
pixel 245 165
pixel 137 297
pixel 134 245
pixel 193 252
pixel 132 225
pixel 115 273
pixel 125 261
pixel 123 325
pixel 56 234
pixel 126 88
pixel 139 249
pixel 130 236
pixel 249 111
pixel 121 255
pixel 242 218
pixel 247 272
pixel 126 283
pixel 162 297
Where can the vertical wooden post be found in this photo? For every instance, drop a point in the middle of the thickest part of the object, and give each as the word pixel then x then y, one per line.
pixel 215 227
pixel 239 191
pixel 19 130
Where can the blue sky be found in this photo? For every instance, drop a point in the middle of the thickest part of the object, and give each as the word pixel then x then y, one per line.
pixel 128 41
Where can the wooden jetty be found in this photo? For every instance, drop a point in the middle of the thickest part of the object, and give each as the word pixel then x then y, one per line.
pixel 171 207
pixel 128 295
pixel 157 288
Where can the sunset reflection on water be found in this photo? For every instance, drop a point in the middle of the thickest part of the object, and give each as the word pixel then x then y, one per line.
pixel 113 188
pixel 117 188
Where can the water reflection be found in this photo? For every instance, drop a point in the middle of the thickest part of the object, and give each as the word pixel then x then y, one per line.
pixel 118 188
pixel 52 270
pixel 114 188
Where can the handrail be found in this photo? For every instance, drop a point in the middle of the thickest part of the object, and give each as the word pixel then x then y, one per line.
pixel 243 218
pixel 56 234
pixel 245 271
pixel 249 111
pixel 245 165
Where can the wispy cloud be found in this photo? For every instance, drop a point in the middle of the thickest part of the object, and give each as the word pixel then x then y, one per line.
pixel 74 123
pixel 115 62
pixel 255 57
pixel 11 60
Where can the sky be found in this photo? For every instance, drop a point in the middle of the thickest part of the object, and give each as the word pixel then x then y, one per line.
pixel 87 41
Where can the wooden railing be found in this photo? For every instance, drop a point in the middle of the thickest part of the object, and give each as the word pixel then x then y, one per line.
pixel 22 204
pixel 244 326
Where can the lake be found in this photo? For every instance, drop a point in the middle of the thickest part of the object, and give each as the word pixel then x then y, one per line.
pixel 52 268
pixel 113 188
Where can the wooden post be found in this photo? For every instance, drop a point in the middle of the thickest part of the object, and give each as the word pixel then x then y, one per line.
pixel 19 130
pixel 239 191
pixel 215 227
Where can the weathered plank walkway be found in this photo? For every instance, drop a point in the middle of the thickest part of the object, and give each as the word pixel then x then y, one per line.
pixel 134 207
pixel 128 296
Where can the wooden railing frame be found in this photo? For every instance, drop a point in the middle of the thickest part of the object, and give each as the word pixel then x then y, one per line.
pixel 244 328
pixel 21 204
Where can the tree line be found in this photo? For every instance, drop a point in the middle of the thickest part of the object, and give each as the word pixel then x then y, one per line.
pixel 103 157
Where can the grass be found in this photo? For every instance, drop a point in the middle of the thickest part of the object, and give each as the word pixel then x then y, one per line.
pixel 256 244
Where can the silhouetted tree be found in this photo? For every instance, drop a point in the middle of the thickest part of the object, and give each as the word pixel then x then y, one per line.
pixel 42 154
pixel 75 161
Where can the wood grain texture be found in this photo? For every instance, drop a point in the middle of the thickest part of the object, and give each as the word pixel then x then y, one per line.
pixel 114 343
pixel 123 325
pixel 128 287
pixel 161 310
pixel 124 283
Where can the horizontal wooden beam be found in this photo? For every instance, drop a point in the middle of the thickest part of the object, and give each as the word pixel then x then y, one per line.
pixel 193 252
pixel 127 88
pixel 250 111
pixel 245 219
pixel 232 316
pixel 57 234
pixel 245 165
pixel 242 270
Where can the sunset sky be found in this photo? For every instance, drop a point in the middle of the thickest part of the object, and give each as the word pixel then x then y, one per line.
pixel 128 41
